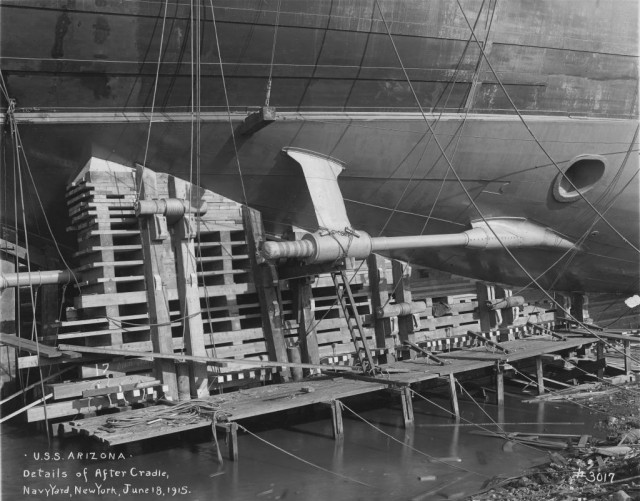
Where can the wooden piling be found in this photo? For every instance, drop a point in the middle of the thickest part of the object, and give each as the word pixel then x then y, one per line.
pixel 453 393
pixel 627 357
pixel 600 359
pixel 499 379
pixel 540 375
pixel 336 419
pixel 407 405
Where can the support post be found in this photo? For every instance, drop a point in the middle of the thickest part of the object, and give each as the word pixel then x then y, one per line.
pixel 499 377
pixel 401 284
pixel 303 305
pixel 485 292
pixel 49 309
pixel 379 296
pixel 158 258
pixel 453 392
pixel 293 353
pixel 336 419
pixel 540 375
pixel 407 405
pixel 627 357
pixel 8 317
pixel 563 313
pixel 184 386
pixel 601 361
pixel 508 315
pixel 184 231
pixel 231 437
pixel 266 282
pixel 580 307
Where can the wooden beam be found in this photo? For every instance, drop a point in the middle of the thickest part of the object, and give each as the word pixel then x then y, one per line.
pixel 182 237
pixel 266 280
pixel 485 292
pixel 219 362
pixel 156 249
pixel 303 307
pixel 402 287
pixel 33 347
pixel 26 408
pixel 379 297
pixel 600 359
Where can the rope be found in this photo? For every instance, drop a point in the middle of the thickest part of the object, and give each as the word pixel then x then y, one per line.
pixel 182 413
pixel 431 458
pixel 498 80
pixel 155 89
pixel 273 53
pixel 226 98
pixel 304 460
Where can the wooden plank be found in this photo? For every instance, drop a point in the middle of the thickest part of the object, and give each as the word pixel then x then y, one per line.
pixel 26 408
pixel 208 360
pixel 33 347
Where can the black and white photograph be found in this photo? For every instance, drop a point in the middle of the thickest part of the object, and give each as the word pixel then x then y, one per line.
pixel 311 250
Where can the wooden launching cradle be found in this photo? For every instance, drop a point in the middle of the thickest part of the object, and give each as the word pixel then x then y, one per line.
pixel 199 287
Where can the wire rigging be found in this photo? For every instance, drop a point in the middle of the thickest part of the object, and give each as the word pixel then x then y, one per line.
pixel 466 191
pixel 533 136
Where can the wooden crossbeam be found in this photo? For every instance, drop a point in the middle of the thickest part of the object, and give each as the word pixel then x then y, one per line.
pixel 33 347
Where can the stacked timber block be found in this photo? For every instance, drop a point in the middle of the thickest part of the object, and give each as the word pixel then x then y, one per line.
pixel 113 308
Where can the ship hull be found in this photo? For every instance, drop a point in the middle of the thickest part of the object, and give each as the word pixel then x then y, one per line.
pixel 357 81
pixel 396 180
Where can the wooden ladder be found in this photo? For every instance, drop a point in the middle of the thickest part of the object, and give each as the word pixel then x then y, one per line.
pixel 354 323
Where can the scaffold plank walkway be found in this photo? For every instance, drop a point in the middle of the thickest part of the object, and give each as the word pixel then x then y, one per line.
pixel 231 407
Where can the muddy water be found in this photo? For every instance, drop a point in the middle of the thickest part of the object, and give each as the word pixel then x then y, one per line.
pixel 367 463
